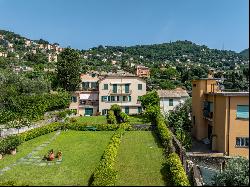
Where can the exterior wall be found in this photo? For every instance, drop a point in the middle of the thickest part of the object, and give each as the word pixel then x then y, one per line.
pixel 238 127
pixel 225 125
pixel 121 81
pixel 142 72
pixel 220 116
pixel 164 103
pixel 199 129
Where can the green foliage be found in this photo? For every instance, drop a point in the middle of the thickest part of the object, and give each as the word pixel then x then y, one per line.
pixel 180 120
pixel 111 118
pixel 9 143
pixel 68 69
pixel 151 113
pixel 164 134
pixel 28 135
pixel 32 107
pixel 105 174
pixel 236 173
pixel 174 169
pixel 124 117
pixel 151 98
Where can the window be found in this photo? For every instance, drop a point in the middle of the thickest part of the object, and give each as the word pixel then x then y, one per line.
pixel 193 120
pixel 243 111
pixel 93 85
pixel 171 102
pixel 129 98
pixel 124 98
pixel 139 110
pixel 126 88
pixel 74 99
pixel 126 109
pixel 104 112
pixel 118 98
pixel 242 142
pixel 112 98
pixel 85 85
pixel 108 98
pixel 104 98
pixel 105 87
pixel 114 88
pixel 139 86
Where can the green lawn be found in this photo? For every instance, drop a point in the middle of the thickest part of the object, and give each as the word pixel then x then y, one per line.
pixel 137 120
pixel 140 160
pixel 91 120
pixel 81 150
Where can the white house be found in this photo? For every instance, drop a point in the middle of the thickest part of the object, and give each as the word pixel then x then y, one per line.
pixel 171 98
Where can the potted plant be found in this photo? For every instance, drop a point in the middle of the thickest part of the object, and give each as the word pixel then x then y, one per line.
pixel 51 155
pixel 14 141
pixel 59 155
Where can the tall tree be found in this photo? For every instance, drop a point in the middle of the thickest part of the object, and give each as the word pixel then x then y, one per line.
pixel 68 69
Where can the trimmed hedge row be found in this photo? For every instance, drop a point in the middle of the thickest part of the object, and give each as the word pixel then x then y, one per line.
pixel 164 134
pixel 175 169
pixel 173 164
pixel 100 127
pixel 105 174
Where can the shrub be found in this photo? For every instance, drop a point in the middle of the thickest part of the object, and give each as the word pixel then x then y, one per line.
pixel 236 173
pixel 174 169
pixel 105 174
pixel 164 134
pixel 9 143
pixel 124 117
pixel 111 119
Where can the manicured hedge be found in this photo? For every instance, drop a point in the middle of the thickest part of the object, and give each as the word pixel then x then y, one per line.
pixel 28 135
pixel 105 174
pixel 100 127
pixel 175 170
pixel 164 134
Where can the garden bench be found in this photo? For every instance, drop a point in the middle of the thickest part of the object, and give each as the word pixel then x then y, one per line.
pixel 90 128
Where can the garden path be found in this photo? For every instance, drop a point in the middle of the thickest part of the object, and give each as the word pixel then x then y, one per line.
pixel 33 158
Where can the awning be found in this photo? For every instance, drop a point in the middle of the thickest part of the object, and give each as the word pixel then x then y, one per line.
pixel 84 96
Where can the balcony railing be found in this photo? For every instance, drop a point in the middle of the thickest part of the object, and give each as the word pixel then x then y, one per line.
pixel 207 114
pixel 120 92
pixel 87 102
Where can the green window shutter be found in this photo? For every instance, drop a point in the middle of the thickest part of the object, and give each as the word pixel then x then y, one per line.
pixel 243 111
pixel 118 98
pixel 112 98
pixel 171 102
pixel 126 88
pixel 127 110
pixel 108 98
pixel 139 110
pixel 74 99
pixel 139 86
pixel 124 98
pixel 129 98
pixel 114 88
pixel 106 87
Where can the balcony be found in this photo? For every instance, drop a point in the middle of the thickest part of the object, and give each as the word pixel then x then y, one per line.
pixel 208 115
pixel 120 92
pixel 88 102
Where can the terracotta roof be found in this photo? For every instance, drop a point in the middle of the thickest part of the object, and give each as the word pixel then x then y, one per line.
pixel 178 92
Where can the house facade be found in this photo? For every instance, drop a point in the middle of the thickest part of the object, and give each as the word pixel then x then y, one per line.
pixel 97 93
pixel 221 117
pixel 85 101
pixel 142 71
pixel 123 90
pixel 169 99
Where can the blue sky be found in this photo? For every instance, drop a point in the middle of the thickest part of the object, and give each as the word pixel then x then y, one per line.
pixel 84 24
